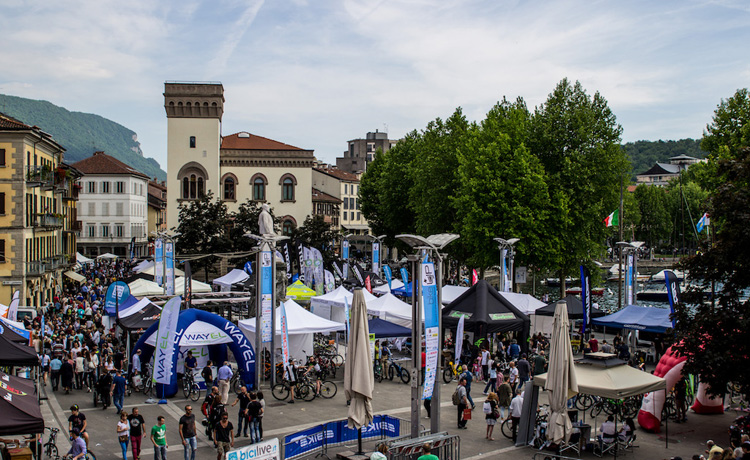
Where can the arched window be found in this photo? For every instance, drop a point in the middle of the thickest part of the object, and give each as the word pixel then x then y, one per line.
pixel 201 188
pixel 287 227
pixel 229 188
pixel 186 188
pixel 259 183
pixel 288 183
pixel 193 177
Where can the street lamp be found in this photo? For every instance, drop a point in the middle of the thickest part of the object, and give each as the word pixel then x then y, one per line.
pixel 432 244
pixel 506 250
pixel 628 249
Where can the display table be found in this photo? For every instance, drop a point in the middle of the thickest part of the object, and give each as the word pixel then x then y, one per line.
pixel 18 453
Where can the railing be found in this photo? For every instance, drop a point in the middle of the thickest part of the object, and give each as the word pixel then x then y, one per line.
pixel 36 268
pixel 39 175
pixel 48 220
pixel 444 446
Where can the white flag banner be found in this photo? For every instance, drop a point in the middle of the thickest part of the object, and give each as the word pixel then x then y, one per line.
pixel 13 307
pixel 459 340
pixel 165 341
pixel 284 337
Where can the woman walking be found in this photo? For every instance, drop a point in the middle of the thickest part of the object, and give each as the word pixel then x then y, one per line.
pixel 504 396
pixel 492 382
pixel 492 413
pixel 123 433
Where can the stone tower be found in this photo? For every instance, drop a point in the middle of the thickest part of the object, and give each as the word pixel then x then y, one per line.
pixel 194 112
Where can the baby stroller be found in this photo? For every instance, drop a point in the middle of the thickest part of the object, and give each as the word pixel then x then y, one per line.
pixel 101 390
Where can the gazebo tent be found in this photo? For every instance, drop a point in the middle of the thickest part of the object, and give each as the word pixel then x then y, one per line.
pixel 77 277
pixel 486 312
pixel 451 293
pixel 391 309
pixel 230 279
pixel 138 314
pixel 16 354
pixel 142 287
pixel 107 255
pixel 528 304
pixel 647 319
pixel 382 329
pixel 81 259
pixel 21 413
pixel 300 292
pixel 385 289
pixel 301 325
pixel 12 335
pixel 16 327
pixel 143 265
pixel 197 286
pixel 331 305
pixel 575 308
pixel 150 271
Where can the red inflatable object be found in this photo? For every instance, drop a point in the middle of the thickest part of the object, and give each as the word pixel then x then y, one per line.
pixel 670 368
pixel 705 404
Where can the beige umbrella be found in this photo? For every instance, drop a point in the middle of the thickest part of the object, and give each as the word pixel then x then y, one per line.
pixel 358 374
pixel 561 377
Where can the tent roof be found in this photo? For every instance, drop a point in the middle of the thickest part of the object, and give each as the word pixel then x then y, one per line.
pixel 526 303
pixel 143 265
pixel 390 305
pixel 12 335
pixel 337 296
pixel 16 354
pixel 138 314
pixel 142 287
pixel 75 276
pixel 197 286
pixel 300 321
pixel 483 305
pixel 404 290
pixel 233 277
pixel 451 293
pixel 107 255
pixel 575 308
pixel 611 382
pixel 300 291
pixel 80 258
pixel 19 406
pixel 150 271
pixel 648 319
pixel 382 328
pixel 384 289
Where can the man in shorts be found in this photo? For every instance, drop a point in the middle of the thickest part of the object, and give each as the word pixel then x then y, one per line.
pixel 77 421
pixel 223 436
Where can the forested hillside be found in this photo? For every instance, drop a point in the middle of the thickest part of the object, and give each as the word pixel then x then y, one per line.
pixel 82 133
pixel 643 154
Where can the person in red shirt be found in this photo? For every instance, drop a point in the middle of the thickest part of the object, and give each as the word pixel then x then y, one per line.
pixel 593 344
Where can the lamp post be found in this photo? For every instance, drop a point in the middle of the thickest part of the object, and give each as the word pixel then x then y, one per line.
pixel 432 245
pixel 506 251
pixel 168 260
pixel 628 250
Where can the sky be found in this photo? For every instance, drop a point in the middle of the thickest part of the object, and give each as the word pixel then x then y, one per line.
pixel 317 73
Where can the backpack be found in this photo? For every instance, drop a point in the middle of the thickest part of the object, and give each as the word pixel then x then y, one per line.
pixel 487 407
pixel 456 398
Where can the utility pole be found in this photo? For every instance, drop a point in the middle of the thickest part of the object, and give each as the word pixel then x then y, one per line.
pixel 619 251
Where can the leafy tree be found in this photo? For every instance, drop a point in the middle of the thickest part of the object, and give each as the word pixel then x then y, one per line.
pixel 315 232
pixel 577 139
pixel 716 338
pixel 656 223
pixel 202 227
pixel 245 220
pixel 690 200
pixel 503 192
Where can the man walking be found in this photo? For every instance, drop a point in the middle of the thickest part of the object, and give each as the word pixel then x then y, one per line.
pixel 54 367
pixel 117 391
pixel 463 402
pixel 242 424
pixel 136 432
pixel 524 370
pixel 254 413
pixel 187 433
pixel 223 436
pixel 516 408
pixel 466 375
pixel 159 439
pixel 540 363
pixel 224 375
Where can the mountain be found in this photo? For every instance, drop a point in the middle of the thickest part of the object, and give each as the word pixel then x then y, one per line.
pixel 644 154
pixel 81 134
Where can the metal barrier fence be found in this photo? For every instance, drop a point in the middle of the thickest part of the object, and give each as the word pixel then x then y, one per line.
pixel 445 446
pixel 319 438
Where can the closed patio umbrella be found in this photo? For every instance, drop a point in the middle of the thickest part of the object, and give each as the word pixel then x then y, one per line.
pixel 358 373
pixel 561 377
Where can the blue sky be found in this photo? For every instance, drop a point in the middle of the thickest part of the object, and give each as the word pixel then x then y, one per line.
pixel 318 73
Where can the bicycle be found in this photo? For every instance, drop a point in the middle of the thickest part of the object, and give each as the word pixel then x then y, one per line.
pixel 451 371
pixel 302 390
pixel 190 389
pixel 328 389
pixel 237 382
pixel 395 368
pixel 50 447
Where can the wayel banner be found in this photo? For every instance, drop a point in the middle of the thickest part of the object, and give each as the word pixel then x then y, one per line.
pixel 431 326
pixel 159 261
pixel 266 294
pixel 585 297
pixel 169 268
pixel 673 291
pixel 165 341
pixel 376 258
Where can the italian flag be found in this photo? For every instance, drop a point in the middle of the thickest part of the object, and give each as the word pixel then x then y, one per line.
pixel 613 219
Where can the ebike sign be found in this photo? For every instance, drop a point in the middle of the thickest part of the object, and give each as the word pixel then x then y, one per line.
pixel 315 437
pixel 268 450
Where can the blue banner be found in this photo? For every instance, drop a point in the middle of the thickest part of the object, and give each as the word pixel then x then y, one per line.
pixel 585 297
pixel 404 276
pixel 345 250
pixel 376 258
pixel 673 291
pixel 159 261
pixel 266 294
pixel 431 308
pixel 306 441
pixel 248 268
pixel 388 276
pixel 630 280
pixel 169 268
pixel 117 292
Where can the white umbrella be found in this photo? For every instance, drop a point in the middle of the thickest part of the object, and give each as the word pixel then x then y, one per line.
pixel 561 377
pixel 358 374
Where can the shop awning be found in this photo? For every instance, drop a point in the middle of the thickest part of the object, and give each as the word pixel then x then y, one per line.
pixel 75 276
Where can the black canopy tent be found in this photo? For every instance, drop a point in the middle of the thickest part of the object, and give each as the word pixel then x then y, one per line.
pixel 575 308
pixel 16 354
pixel 12 335
pixel 140 315
pixel 486 312
pixel 19 407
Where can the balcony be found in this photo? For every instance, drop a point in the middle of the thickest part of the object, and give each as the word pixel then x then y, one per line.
pixel 55 262
pixel 40 176
pixel 48 221
pixel 77 226
pixel 36 268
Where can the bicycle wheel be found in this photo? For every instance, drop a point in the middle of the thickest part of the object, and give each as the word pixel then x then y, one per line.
pixel 405 376
pixel 237 384
pixel 307 392
pixel 186 387
pixel 328 389
pixel 195 392
pixel 337 360
pixel 506 429
pixel 391 372
pixel 50 450
pixel 447 375
pixel 90 455
pixel 280 391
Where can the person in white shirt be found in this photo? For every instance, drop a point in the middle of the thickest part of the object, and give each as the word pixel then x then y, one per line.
pixel 516 408
pixel 607 431
pixel 484 363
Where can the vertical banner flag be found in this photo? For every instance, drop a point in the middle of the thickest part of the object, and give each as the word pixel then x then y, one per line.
pixel 249 267
pixel 159 261
pixel 358 274
pixel 301 258
pixel 284 338
pixel 346 314
pixel 345 257
pixel 630 280
pixel 368 284
pixel 337 269
pixel 13 307
pixel 388 276
pixel 287 256
pixel 266 294
pixel 132 248
pixel 673 291
pixel 116 294
pixel 507 283
pixel 330 281
pixel 704 221
pixel 165 341
pixel 585 297
pixel 459 339
pixel 169 267
pixel 319 271
pixel 376 258
pixel 474 276
pixel 428 289
pixel 405 277
pixel 309 275
pixel 188 285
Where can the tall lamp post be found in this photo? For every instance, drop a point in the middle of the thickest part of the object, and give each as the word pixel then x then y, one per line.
pixel 345 254
pixel 433 245
pixel 628 250
pixel 506 251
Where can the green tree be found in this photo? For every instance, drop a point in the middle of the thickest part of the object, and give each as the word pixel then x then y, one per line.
pixel 577 139
pixel 203 225
pixel 656 223
pixel 686 203
pixel 245 220
pixel 503 192
pixel 716 337
pixel 315 232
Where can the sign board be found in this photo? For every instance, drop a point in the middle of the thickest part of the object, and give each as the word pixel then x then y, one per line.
pixel 520 275
pixel 431 308
pixel 266 294
pixel 266 450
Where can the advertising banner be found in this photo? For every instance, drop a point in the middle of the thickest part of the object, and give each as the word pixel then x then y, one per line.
pixel 159 261
pixel 431 326
pixel 306 441
pixel 266 294
pixel 459 339
pixel 630 280
pixel 165 338
pixel 116 294
pixel 266 450
pixel 404 276
pixel 284 337
pixel 507 285
pixel 13 307
pixel 376 258
pixel 388 276
pixel 330 281
pixel 585 297
pixel 188 285
pixel 673 291
pixel 169 268
pixel 345 257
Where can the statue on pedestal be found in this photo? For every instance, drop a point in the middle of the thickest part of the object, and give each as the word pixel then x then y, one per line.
pixel 265 221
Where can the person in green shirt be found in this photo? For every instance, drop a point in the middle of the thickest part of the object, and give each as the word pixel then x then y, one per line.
pixel 426 453
pixel 159 439
pixel 540 363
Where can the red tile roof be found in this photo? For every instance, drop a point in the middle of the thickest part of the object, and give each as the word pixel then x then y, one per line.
pixel 317 195
pixel 247 141
pixel 339 174
pixel 101 163
pixel 7 122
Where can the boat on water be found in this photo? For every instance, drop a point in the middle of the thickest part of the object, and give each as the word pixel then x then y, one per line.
pixel 555 282
pixel 599 291
pixel 653 295
pixel 660 276
pixel 614 275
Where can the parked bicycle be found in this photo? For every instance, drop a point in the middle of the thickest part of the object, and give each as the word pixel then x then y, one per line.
pixel 190 389
pixel 451 372
pixel 302 390
pixel 396 369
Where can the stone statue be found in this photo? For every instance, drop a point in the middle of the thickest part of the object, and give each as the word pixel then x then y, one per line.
pixel 265 221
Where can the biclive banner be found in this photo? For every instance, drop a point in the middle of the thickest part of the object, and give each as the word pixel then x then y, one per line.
pixel 431 326
pixel 266 295
pixel 159 261
pixel 284 337
pixel 169 268
pixel 165 347
pixel 266 450
pixel 376 258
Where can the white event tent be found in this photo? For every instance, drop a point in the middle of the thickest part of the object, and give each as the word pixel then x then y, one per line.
pixel 143 265
pixel 451 293
pixel 81 259
pixel 384 289
pixel 142 287
pixel 390 308
pixel 331 305
pixel 150 271
pixel 234 277
pixel 198 286
pixel 301 325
